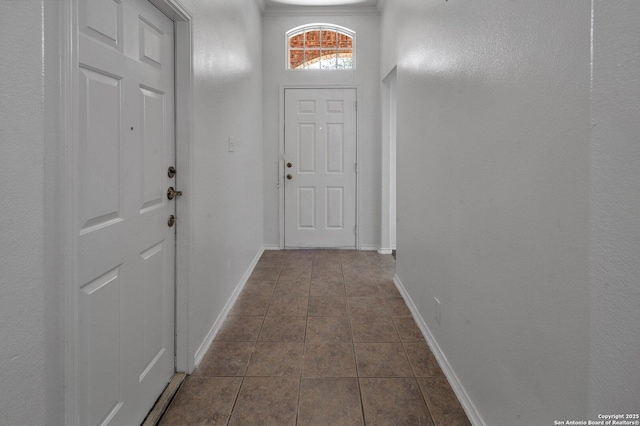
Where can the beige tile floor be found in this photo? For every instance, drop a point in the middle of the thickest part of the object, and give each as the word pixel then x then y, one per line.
pixel 318 337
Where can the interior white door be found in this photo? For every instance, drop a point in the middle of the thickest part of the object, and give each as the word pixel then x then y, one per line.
pixel 320 168
pixel 125 248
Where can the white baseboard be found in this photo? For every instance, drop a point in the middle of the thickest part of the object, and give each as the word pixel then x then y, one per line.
pixel 458 389
pixel 385 250
pixel 208 340
pixel 363 247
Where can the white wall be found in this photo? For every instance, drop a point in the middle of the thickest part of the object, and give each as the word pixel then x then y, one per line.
pixel 366 76
pixel 31 288
pixel 493 195
pixel 614 375
pixel 226 194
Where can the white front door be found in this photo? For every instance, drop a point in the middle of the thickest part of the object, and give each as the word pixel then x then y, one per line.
pixel 320 168
pixel 124 247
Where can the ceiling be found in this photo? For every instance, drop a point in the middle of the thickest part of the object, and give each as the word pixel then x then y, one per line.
pixel 280 3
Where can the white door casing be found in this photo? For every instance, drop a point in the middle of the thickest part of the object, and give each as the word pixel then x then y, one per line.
pixel 388 187
pixel 320 146
pixel 125 251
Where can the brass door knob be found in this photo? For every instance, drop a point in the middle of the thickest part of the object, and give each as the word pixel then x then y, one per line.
pixel 171 221
pixel 172 193
pixel 289 177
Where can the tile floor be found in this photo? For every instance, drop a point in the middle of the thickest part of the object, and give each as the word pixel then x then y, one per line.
pixel 318 337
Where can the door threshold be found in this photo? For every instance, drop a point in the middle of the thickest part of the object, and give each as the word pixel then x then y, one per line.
pixel 161 405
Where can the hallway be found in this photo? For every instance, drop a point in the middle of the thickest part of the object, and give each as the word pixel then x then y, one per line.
pixel 318 337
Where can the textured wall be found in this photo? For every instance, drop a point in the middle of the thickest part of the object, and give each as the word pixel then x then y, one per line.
pixel 31 334
pixel 366 76
pixel 614 380
pixel 493 194
pixel 227 200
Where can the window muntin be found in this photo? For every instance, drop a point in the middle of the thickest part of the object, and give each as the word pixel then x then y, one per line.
pixel 320 47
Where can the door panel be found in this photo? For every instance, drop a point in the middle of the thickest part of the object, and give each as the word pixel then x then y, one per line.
pixel 100 190
pixel 100 338
pixel 335 148
pixel 102 20
pixel 153 336
pixel 307 106
pixel 335 208
pixel 336 106
pixel 320 143
pixel 306 148
pixel 152 155
pixel 150 43
pixel 306 208
pixel 125 258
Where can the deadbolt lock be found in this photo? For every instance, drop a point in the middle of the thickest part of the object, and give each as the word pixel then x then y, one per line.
pixel 289 165
pixel 171 172
pixel 171 221
pixel 172 193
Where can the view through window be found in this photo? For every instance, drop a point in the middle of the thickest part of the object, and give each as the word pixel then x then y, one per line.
pixel 320 47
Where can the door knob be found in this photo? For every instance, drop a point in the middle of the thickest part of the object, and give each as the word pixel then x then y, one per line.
pixel 289 177
pixel 172 193
pixel 171 221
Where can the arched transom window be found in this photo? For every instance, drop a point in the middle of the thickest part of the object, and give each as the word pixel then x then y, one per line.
pixel 320 46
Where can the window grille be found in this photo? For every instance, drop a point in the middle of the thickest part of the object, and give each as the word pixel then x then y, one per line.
pixel 320 46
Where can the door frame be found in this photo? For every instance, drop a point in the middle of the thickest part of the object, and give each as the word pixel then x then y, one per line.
pixel 69 130
pixel 281 144
pixel 389 96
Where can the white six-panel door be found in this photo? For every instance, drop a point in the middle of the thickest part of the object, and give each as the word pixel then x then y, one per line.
pixel 125 248
pixel 320 168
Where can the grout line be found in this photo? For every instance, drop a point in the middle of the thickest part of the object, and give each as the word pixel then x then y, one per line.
pixel 424 398
pixel 364 419
pixel 235 401
pixel 408 360
pixel 299 385
pixel 355 356
pixel 364 415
